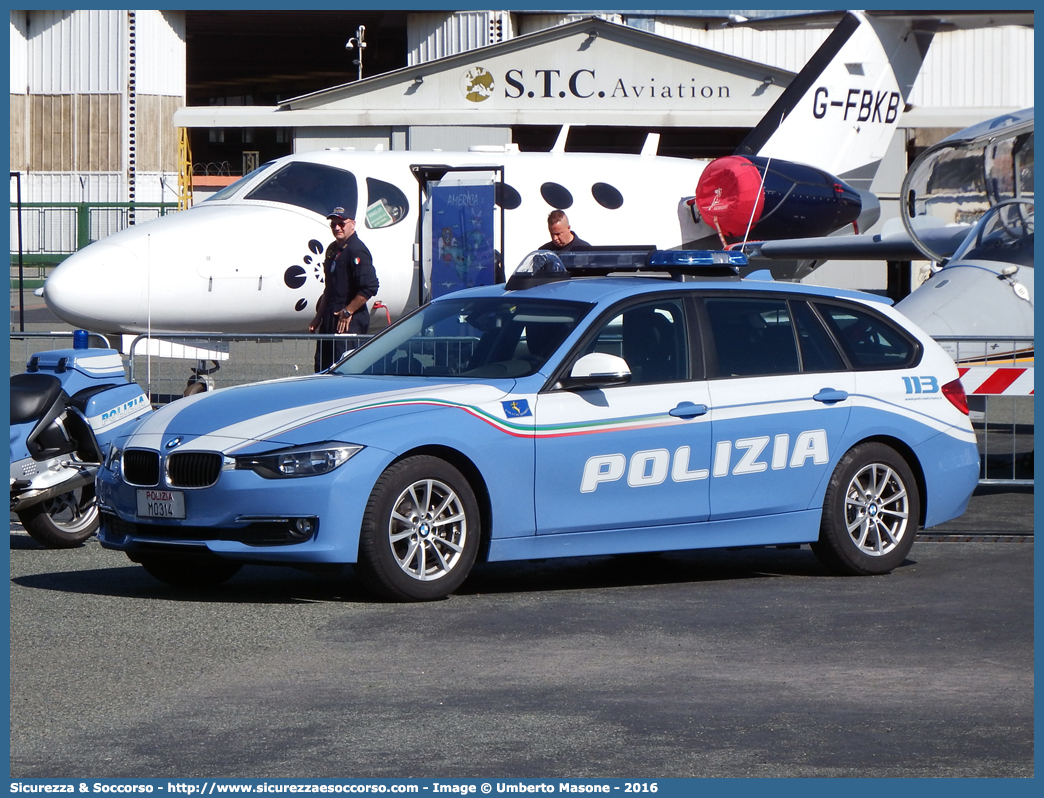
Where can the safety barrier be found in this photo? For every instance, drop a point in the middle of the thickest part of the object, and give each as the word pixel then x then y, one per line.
pixel 997 376
pixel 186 363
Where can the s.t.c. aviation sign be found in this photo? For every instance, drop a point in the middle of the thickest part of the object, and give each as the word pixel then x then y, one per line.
pixel 478 85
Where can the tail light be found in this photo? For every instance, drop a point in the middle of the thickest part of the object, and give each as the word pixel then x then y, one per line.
pixel 954 391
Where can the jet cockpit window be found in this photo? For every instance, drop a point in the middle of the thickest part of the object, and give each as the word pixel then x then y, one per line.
pixel 313 186
pixel 232 188
pixel 1009 168
pixel 385 204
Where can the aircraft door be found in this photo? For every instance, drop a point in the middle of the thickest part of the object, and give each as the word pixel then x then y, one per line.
pixel 459 231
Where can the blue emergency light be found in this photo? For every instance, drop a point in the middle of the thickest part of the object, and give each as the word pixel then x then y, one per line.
pixel 543 266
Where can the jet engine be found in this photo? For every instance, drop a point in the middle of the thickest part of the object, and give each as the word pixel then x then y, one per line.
pixel 776 199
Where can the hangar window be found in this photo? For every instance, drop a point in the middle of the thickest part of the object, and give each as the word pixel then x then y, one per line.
pixel 507 197
pixel 313 186
pixel 607 196
pixel 385 204
pixel 556 196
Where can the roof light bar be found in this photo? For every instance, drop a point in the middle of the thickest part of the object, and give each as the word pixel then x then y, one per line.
pixel 544 266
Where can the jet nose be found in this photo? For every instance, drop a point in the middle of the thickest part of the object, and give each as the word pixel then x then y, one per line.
pixel 98 288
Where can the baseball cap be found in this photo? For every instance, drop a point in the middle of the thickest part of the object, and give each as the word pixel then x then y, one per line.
pixel 339 213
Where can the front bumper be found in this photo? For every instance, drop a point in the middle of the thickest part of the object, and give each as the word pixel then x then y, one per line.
pixel 247 518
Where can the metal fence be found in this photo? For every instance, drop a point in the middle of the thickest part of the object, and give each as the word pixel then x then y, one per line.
pixel 996 376
pixel 187 363
pixel 24 344
pixel 51 231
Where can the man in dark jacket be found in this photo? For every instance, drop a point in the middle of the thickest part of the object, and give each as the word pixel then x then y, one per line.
pixel 562 237
pixel 350 280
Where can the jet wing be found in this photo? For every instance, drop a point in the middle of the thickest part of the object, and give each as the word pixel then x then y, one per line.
pixel 896 246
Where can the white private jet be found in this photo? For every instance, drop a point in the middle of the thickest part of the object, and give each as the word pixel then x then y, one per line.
pixel 249 258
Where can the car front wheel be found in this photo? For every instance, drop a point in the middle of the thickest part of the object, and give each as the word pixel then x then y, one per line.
pixel 870 512
pixel 420 532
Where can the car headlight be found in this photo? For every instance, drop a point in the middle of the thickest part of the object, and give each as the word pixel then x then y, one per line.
pixel 299 461
pixel 112 458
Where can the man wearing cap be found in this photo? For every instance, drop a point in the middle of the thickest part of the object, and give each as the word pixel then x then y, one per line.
pixel 350 280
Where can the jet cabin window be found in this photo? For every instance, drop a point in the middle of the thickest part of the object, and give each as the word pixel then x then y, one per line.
pixel 607 196
pixel 385 204
pixel 507 197
pixel 556 196
pixel 313 186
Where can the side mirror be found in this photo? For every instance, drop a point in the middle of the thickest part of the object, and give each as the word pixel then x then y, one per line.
pixel 597 370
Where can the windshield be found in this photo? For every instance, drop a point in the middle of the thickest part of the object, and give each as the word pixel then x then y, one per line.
pixel 232 188
pixel 479 338
pixel 313 186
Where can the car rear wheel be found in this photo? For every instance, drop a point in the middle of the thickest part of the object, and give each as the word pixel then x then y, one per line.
pixel 870 512
pixel 189 570
pixel 420 531
pixel 63 522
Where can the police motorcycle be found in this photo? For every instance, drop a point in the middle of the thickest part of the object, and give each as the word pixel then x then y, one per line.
pixel 66 409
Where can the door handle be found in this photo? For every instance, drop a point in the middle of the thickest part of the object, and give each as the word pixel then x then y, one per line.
pixel 688 410
pixel 829 396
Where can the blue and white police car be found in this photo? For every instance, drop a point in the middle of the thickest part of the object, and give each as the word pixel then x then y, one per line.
pixel 599 402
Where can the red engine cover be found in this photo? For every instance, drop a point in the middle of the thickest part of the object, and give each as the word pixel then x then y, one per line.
pixel 729 195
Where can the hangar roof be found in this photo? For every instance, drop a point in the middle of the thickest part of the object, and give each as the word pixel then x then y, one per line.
pixel 600 71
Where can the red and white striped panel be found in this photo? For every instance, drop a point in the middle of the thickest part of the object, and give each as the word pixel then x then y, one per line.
pixel 997 380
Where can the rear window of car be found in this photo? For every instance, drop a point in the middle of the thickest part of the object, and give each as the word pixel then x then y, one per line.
pixel 761 336
pixel 868 340
pixel 818 352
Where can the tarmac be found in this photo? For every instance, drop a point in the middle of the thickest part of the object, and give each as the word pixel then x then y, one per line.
pixel 722 663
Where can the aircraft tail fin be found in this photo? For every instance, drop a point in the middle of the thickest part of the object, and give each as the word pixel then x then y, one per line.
pixel 840 112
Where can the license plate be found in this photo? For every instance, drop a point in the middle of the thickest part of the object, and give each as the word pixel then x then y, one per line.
pixel 161 503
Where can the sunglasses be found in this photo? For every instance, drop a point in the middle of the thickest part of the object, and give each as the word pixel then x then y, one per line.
pixel 339 224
